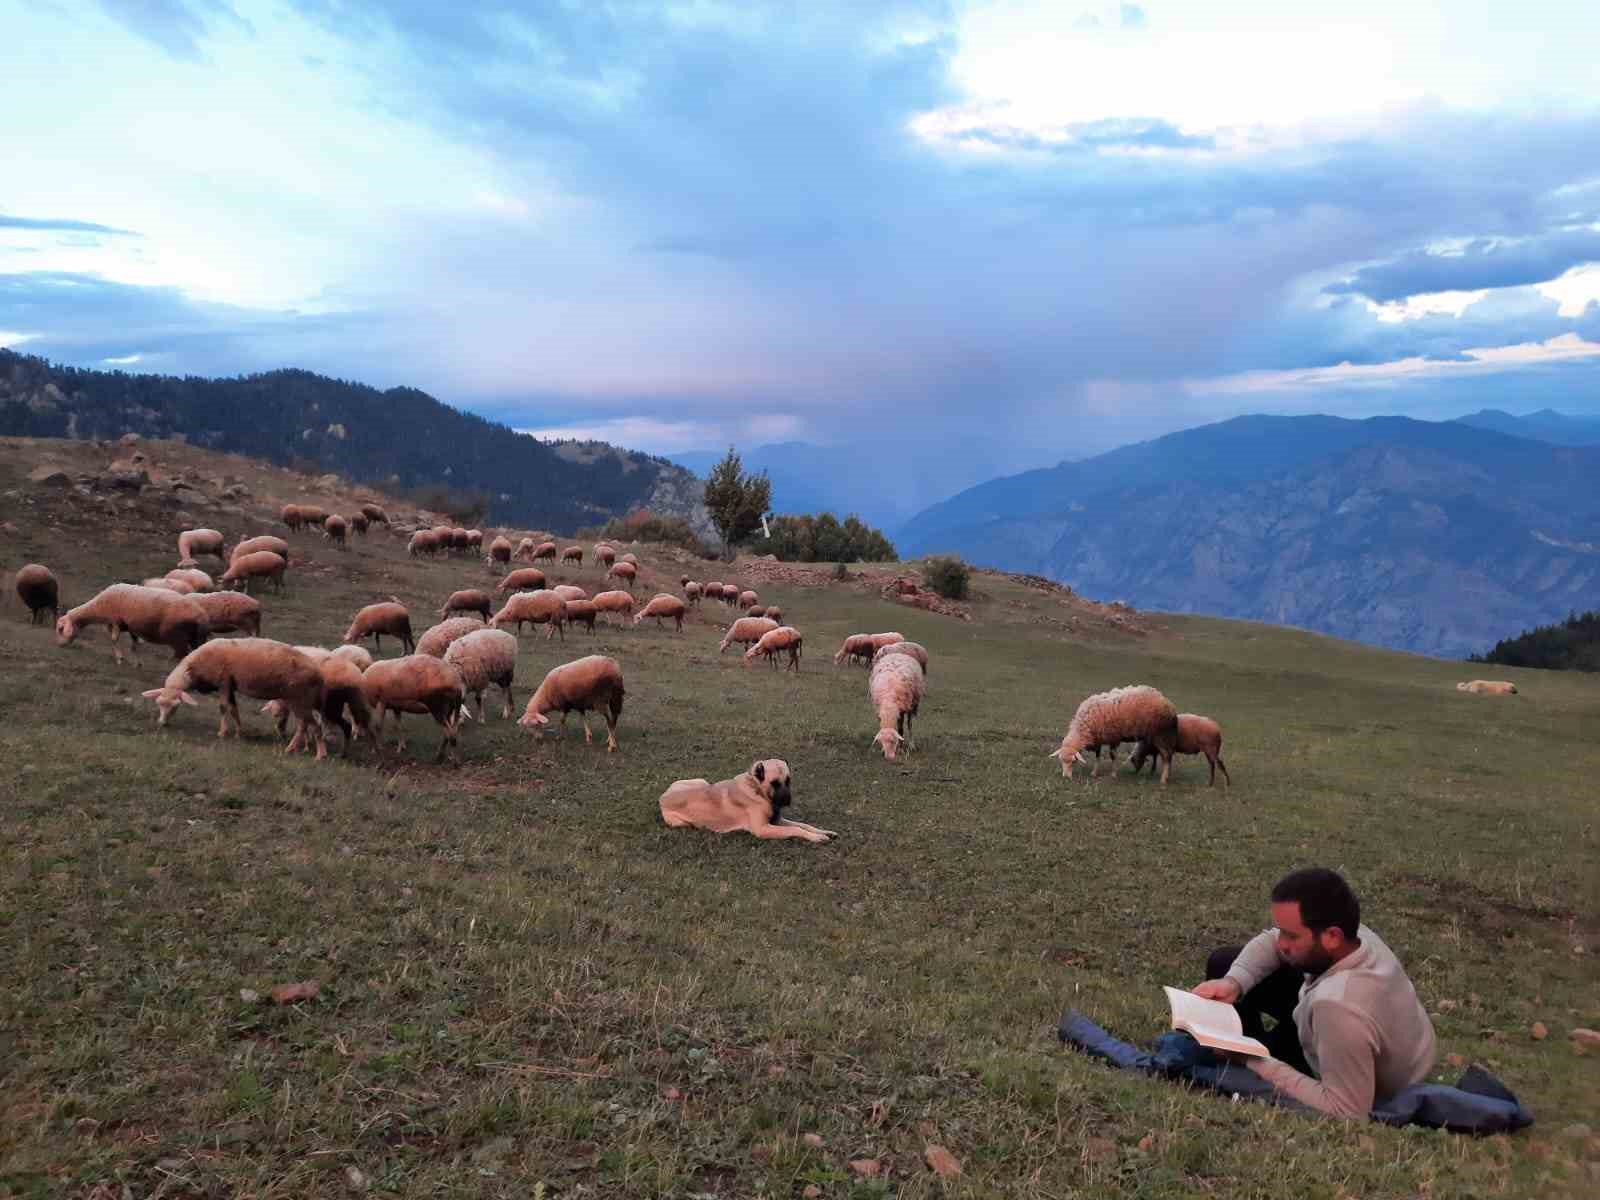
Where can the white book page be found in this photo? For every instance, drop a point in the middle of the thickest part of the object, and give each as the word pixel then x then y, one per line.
pixel 1197 1013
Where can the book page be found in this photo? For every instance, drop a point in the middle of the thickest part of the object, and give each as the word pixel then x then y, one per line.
pixel 1211 1023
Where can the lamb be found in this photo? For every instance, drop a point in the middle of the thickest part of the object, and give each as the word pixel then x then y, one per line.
pixel 149 614
pixel 418 683
pixel 342 693
pixel 422 542
pixel 359 522
pixel 747 631
pixel 257 667
pixel 439 638
pixel 785 639
pixel 230 612
pixel 570 591
pixel 535 608
pixel 583 612
pixel 903 647
pixel 592 684
pixel 375 620
pixel 620 603
pixel 1126 714
pixel 265 542
pixel 335 529
pixel 192 543
pixel 468 600
pixel 374 513
pixel 544 550
pixel 624 573
pixel 1488 687
pixel 262 564
pixel 37 589
pixel 197 579
pixel 572 554
pixel 1196 735
pixel 499 552
pixel 748 599
pixel 663 605
pixel 604 554
pixel 896 686
pixel 523 579
pixel 483 657
pixel 691 592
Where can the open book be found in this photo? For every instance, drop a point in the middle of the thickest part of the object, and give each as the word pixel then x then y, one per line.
pixel 1212 1023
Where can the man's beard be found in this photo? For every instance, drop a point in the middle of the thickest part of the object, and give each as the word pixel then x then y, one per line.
pixel 1316 962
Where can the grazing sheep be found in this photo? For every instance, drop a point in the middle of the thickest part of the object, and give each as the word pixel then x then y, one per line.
pixel 747 631
pixel 197 579
pixel 523 579
pixel 230 612
pixel 290 514
pixel 335 529
pixel 423 541
pixel 474 539
pixel 691 592
pixel 459 540
pixel 375 620
pixel 604 554
pixel 748 599
pixel 785 639
pixel 535 608
pixel 624 573
pixel 37 589
pixel 374 513
pixel 342 695
pixel 311 516
pixel 468 600
pixel 359 522
pixel 572 554
pixel 903 647
pixel 544 550
pixel 570 591
pixel 1125 714
pixel 261 564
pixel 630 558
pixel 360 655
pixel 592 684
pixel 182 586
pixel 418 683
pixel 435 641
pixel 712 590
pixel 774 613
pixel 499 552
pixel 895 686
pixel 1196 735
pixel 731 593
pixel 264 542
pixel 620 603
pixel 583 612
pixel 663 605
pixel 483 657
pixel 525 549
pixel 756 610
pixel 257 667
pixel 1488 687
pixel 857 646
pixel 148 614
pixel 192 543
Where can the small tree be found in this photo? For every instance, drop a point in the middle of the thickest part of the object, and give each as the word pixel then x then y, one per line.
pixel 736 501
pixel 947 576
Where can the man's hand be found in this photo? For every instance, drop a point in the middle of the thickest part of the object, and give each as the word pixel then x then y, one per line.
pixel 1225 990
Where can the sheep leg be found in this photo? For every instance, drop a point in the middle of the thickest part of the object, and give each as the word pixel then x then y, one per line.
pixel 377 641
pixel 1166 766
pixel 611 731
pixel 506 688
pixel 1226 781
pixel 116 635
pixel 588 737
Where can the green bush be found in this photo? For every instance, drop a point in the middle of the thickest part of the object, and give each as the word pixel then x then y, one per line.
pixel 824 538
pixel 642 525
pixel 948 576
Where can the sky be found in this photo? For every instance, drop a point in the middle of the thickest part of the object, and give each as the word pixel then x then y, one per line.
pixel 1007 233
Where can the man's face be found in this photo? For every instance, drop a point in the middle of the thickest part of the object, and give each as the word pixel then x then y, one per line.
pixel 1311 952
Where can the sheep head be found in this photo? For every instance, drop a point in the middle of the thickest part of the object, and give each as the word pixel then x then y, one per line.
pixel 167 700
pixel 66 630
pixel 890 740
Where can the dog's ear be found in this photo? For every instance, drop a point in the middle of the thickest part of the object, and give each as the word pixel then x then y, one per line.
pixel 760 772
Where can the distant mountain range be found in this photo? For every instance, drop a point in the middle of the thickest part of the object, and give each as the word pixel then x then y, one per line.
pixel 1439 537
pixel 400 439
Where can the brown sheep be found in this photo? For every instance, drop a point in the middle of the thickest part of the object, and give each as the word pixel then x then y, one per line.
pixel 1125 714
pixel 624 573
pixel 192 543
pixel 423 541
pixel 783 640
pixel 417 683
pixel 474 539
pixel 499 552
pixel 691 591
pixel 604 555
pixel 663 605
pixel 38 590
pixel 152 614
pixel 1196 735
pixel 375 620
pixel 335 529
pixel 570 591
pixel 230 612
pixel 747 631
pixel 523 579
pixel 544 550
pixel 436 640
pixel 290 514
pixel 374 513
pixel 265 542
pixel 582 612
pixel 468 600
pixel 620 603
pixel 260 564
pixel 1488 687
pixel 534 608
pixel 197 579
pixel 359 522
pixel 592 684
pixel 572 554
pixel 257 667
pixel 748 599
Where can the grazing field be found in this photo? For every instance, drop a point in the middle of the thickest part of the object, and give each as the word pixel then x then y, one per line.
pixel 529 986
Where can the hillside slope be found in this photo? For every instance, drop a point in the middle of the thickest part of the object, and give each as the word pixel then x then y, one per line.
pixel 1432 537
pixel 398 439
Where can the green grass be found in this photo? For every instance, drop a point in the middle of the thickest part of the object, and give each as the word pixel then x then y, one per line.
pixel 527 980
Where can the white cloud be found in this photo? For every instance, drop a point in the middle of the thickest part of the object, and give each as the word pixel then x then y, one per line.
pixel 10 337
pixel 126 360
pixel 666 437
pixel 1425 304
pixel 1575 290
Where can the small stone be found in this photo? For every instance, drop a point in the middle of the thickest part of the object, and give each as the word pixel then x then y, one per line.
pixel 814 1140
pixel 356 1180
pixel 1578 1131
pixel 1538 1033
pixel 761 1155
pixel 249 995
pixel 811 1191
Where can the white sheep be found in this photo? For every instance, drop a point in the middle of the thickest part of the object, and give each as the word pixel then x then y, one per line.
pixel 418 683
pixel 623 572
pixel 375 620
pixel 360 655
pixel 182 586
pixel 748 599
pixel 1488 687
pixel 785 639
pixel 1125 714
pixel 570 591
pixel 343 695
pixel 483 657
pixel 747 631
pixel 691 592
pixel 534 608
pixel 915 650
pixel 591 684
pixel 150 614
pixel 257 667
pixel 192 543
pixel 230 612
pixel 895 686
pixel 663 605
pixel 435 641
pixel 604 554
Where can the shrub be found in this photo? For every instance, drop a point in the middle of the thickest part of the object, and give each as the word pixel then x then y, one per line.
pixel 641 525
pixel 948 576
pixel 824 538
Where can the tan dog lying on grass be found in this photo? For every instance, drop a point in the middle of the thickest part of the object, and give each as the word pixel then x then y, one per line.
pixel 751 802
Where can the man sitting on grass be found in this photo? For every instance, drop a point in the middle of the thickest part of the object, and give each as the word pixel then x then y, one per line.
pixel 1350 1030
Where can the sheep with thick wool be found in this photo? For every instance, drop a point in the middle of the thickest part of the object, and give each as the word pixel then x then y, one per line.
pixel 748 599
pixel 914 649
pixel 374 513
pixel 895 686
pixel 468 600
pixel 618 602
pixel 197 579
pixel 604 554
pixel 663 606
pixel 572 554
pixel 343 703
pixel 336 529
pixel 785 639
pixel 424 542
pixel 257 667
pixel 570 591
pixel 499 552
pixel 582 612
pixel 438 639
pixel 485 656
pixel 523 579
pixel 544 550
pixel 265 541
pixel 386 617
pixel 192 543
pixel 417 683
pixel 624 573
pixel 534 608
pixel 1125 714
pixel 153 615
pixel 230 612
pixel 37 589
pixel 591 684
pixel 747 631
pixel 862 646
pixel 182 586
pixel 691 592
pixel 360 655
pixel 1196 735
pixel 525 550
pixel 260 564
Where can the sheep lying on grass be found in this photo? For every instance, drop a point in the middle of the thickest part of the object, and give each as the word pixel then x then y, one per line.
pixel 375 620
pixel 1488 687
pixel 1126 714
pixel 485 656
pixel 257 667
pixel 592 684
pixel 38 590
pixel 417 683
pixel 1196 735
pixel 895 687
pixel 150 614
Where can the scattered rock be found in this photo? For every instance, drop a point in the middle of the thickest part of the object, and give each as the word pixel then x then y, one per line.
pixel 235 491
pixel 1579 1131
pixel 1538 1033
pixel 249 996
pixel 761 1155
pixel 356 1180
pixel 941 1162
pixel 293 993
pixel 867 1168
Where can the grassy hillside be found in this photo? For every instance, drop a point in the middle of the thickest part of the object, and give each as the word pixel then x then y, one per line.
pixel 527 980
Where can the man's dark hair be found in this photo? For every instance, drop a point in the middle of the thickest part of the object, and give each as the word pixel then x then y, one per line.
pixel 1325 899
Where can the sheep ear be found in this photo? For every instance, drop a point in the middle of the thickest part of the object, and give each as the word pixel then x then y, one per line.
pixel 188 699
pixel 151 694
pixel 759 771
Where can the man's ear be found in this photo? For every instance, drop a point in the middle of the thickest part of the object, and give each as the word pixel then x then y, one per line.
pixel 760 772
